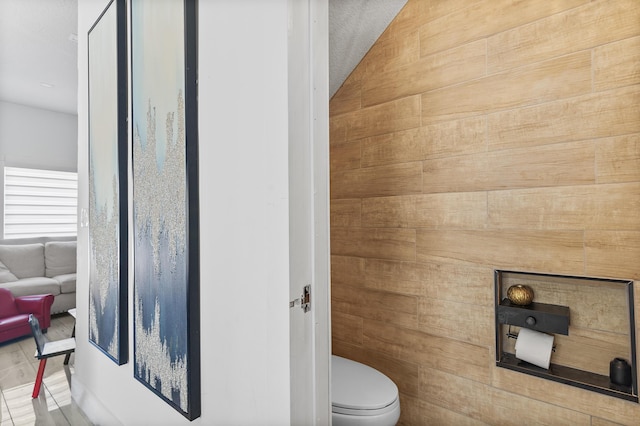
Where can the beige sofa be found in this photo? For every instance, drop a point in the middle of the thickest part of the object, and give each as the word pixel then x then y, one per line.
pixel 40 265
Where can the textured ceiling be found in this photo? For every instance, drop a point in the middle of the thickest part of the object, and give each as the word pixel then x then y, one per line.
pixel 354 26
pixel 37 49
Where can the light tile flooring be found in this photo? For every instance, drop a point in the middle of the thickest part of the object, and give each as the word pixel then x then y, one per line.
pixel 18 368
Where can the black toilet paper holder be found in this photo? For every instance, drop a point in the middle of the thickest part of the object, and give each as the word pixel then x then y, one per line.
pixel 512 335
pixel 511 318
pixel 553 319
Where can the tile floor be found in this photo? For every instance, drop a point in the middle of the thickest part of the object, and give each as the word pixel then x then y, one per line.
pixel 18 368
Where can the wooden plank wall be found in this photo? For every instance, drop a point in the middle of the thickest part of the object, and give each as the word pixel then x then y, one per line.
pixel 478 135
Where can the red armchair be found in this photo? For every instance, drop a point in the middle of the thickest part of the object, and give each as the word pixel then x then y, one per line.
pixel 14 313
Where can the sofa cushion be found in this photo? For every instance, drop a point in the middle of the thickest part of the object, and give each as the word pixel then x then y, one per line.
pixel 35 285
pixel 5 274
pixel 59 258
pixel 67 283
pixel 23 260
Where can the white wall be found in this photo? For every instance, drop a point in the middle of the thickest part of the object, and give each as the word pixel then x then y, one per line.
pixel 244 229
pixel 38 138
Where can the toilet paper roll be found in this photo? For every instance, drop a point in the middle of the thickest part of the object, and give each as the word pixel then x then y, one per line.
pixel 534 347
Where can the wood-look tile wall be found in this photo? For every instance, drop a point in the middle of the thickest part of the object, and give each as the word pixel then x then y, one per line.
pixel 478 135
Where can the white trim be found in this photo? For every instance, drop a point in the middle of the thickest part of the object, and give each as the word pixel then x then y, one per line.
pixel 321 275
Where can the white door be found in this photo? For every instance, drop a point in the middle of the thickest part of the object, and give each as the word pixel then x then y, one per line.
pixel 310 346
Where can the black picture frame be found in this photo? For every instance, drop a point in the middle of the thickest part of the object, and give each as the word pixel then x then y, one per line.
pixel 108 182
pixel 165 201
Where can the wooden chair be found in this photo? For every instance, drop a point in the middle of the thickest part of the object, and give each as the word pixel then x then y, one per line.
pixel 46 350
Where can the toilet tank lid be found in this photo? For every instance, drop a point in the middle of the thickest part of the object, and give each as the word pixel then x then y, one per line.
pixel 358 386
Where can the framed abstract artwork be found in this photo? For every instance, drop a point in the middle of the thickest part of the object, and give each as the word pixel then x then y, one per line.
pixel 165 201
pixel 108 185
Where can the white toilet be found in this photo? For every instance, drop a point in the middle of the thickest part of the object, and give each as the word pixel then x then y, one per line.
pixel 361 395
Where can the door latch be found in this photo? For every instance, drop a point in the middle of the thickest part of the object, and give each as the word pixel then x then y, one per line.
pixel 304 300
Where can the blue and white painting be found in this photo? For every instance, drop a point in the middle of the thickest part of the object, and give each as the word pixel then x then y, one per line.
pixel 107 175
pixel 163 284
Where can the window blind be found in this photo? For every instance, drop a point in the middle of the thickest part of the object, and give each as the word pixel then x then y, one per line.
pixel 39 203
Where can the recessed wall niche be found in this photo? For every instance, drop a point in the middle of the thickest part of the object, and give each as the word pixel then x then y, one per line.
pixel 592 324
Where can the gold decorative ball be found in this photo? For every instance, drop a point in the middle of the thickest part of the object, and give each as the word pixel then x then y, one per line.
pixel 520 294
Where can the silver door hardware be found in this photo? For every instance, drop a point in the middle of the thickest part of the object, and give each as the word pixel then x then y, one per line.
pixel 304 300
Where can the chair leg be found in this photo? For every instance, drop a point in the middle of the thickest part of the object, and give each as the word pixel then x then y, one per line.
pixel 36 386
